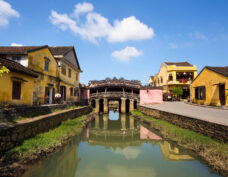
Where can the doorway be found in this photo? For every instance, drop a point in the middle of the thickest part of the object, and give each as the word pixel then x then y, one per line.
pixel 63 92
pixel 222 94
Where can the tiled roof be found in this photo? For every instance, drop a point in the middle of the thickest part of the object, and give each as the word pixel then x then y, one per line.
pixel 17 49
pixel 60 50
pixel 55 50
pixel 179 63
pixel 16 67
pixel 219 70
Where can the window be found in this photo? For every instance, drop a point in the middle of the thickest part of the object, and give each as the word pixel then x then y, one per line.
pixel 46 65
pixel 16 92
pixel 200 93
pixel 77 77
pixel 76 92
pixel 69 72
pixel 63 69
pixel 71 91
pixel 161 80
pixel 16 58
pixel 170 77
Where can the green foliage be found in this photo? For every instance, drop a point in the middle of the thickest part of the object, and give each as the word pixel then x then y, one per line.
pixel 3 69
pixel 46 140
pixel 178 91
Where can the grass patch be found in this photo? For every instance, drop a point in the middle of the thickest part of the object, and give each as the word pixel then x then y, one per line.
pixel 44 141
pixel 183 136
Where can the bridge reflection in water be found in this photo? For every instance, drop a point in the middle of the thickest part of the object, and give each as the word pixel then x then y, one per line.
pixel 126 131
pixel 118 145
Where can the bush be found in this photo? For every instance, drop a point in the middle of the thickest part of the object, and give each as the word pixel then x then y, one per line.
pixel 178 91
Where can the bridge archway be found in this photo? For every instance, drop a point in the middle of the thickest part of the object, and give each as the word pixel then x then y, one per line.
pixel 101 105
pixel 93 103
pixel 135 104
pixel 127 105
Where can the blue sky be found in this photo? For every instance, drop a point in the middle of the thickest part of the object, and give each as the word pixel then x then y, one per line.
pixel 129 38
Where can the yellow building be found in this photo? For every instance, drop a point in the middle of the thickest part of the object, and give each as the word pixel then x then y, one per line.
pixel 175 74
pixel 57 69
pixel 151 81
pixel 210 87
pixel 69 71
pixel 16 86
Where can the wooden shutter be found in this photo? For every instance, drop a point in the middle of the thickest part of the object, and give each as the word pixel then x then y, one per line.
pixel 196 93
pixel 46 94
pixel 204 93
pixel 53 95
pixel 16 92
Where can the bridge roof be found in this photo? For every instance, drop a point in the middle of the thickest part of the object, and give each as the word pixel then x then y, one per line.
pixel 114 82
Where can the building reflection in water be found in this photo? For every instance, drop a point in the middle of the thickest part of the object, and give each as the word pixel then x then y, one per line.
pixel 122 136
pixel 125 132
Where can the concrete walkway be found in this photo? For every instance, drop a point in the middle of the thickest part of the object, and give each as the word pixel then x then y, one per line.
pixel 218 116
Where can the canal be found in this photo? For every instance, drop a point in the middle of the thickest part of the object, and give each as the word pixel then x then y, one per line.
pixel 117 145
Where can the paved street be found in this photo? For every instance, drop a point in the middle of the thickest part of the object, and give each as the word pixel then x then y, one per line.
pixel 204 113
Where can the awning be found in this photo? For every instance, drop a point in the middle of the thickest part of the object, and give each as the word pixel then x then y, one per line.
pixel 223 83
pixel 18 79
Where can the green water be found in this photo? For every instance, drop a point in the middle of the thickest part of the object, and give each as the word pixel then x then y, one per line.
pixel 116 145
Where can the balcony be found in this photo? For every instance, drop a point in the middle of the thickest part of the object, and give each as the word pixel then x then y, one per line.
pixel 114 95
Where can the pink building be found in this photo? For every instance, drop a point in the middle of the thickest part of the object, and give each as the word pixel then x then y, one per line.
pixel 149 95
pixel 84 93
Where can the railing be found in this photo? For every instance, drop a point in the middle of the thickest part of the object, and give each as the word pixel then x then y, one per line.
pixel 114 94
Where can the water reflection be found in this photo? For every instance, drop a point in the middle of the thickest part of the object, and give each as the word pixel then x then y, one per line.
pixel 119 147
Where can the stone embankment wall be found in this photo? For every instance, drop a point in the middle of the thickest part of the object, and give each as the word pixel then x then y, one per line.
pixel 213 130
pixel 10 114
pixel 12 135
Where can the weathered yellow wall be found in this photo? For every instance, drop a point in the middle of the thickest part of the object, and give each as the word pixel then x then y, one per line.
pixel 46 78
pixel 208 78
pixel 69 82
pixel 7 85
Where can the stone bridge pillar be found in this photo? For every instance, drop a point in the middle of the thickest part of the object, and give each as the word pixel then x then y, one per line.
pixel 123 105
pixel 97 105
pixel 131 106
pixel 105 105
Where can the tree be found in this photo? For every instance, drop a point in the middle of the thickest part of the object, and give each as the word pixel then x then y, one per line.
pixel 178 91
pixel 3 69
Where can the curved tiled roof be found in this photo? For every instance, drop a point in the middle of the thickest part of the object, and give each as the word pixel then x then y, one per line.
pixel 16 67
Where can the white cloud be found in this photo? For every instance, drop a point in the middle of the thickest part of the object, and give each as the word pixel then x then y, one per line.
pixel 173 45
pixel 82 8
pixel 6 12
pixel 97 26
pixel 15 44
pixel 198 35
pixel 126 54
pixel 128 153
pixel 129 29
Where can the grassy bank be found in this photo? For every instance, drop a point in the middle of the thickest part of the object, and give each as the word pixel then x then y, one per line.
pixel 213 152
pixel 44 141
